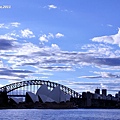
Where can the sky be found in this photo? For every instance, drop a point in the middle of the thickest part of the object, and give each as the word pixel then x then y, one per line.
pixel 72 42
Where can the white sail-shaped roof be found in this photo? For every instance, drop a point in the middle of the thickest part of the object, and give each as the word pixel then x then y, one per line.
pixel 49 100
pixel 17 100
pixel 43 90
pixel 57 94
pixel 62 96
pixel 67 96
pixel 45 98
pixel 33 96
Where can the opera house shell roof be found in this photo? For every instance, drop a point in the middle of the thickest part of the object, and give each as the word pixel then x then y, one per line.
pixel 31 97
pixel 45 95
pixel 16 100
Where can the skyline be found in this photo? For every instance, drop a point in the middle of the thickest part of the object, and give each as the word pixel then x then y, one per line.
pixel 74 43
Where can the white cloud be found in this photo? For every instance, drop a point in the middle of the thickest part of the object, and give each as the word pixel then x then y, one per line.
pixel 43 38
pixel 58 35
pixel 68 11
pixel 52 6
pixel 100 50
pixel 2 25
pixel 15 24
pixel 14 34
pixel 7 77
pixel 56 47
pixel 27 49
pixel 46 38
pixel 111 39
pixel 1 64
pixel 50 35
pixel 105 74
pixel 8 26
pixel 26 33
pixel 7 37
pixel 109 25
pixel 101 75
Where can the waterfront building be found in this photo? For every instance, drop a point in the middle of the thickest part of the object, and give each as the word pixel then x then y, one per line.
pixel 16 100
pixel 97 96
pixel 43 90
pixel 119 94
pixel 114 98
pixel 84 95
pixel 97 91
pixel 44 95
pixel 31 97
pixel 57 94
pixel 104 97
pixel 104 92
pixel 109 97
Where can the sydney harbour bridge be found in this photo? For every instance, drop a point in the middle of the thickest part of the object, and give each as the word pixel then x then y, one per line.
pixel 19 89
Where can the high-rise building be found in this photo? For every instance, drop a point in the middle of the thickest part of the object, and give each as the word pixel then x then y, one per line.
pixel 97 91
pixel 104 92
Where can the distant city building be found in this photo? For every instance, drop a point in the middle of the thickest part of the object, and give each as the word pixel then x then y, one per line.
pixel 119 94
pixel 97 91
pixel 104 92
pixel 84 95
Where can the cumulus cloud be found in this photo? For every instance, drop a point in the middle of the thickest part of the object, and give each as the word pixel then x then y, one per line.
pixel 15 24
pixel 111 39
pixel 100 50
pixel 52 6
pixel 26 33
pixel 7 37
pixel 43 38
pixel 9 25
pixel 57 68
pixel 2 25
pixel 50 35
pixel 109 25
pixel 58 35
pixel 46 38
pixel 104 75
pixel 1 64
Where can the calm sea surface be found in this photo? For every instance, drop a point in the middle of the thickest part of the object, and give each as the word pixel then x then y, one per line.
pixel 69 114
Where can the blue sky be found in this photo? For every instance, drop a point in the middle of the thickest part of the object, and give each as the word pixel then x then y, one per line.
pixel 73 42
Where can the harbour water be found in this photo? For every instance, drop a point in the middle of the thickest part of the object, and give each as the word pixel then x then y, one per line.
pixel 60 114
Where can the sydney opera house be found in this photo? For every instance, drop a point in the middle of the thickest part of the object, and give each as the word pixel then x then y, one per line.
pixel 44 95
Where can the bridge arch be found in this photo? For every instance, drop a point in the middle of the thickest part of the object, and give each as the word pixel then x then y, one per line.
pixel 14 86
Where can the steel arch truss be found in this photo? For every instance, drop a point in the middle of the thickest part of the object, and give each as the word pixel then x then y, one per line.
pixel 14 86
